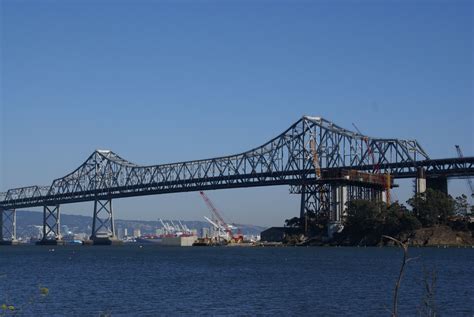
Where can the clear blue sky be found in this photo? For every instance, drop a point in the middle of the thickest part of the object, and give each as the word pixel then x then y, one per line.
pixel 165 81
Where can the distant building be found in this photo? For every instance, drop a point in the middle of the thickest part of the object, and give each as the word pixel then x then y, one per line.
pixel 65 230
pixel 119 233
pixel 137 232
pixel 125 232
pixel 80 236
pixel 277 234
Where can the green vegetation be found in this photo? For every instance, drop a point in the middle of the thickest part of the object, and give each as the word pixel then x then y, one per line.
pixel 432 207
pixel 366 222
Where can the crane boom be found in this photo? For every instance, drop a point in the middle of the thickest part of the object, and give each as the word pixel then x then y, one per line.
pixel 212 223
pixel 469 181
pixel 314 152
pixel 216 213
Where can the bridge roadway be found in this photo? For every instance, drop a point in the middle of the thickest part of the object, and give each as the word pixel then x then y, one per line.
pixel 450 168
pixel 285 160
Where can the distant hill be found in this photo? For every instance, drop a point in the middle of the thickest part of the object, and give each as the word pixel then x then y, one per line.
pixel 29 223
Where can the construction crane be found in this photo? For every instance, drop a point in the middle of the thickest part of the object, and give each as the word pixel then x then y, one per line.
pixel 317 169
pixel 314 153
pixel 469 181
pixel 220 220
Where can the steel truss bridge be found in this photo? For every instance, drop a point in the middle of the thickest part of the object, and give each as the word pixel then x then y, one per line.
pixel 285 160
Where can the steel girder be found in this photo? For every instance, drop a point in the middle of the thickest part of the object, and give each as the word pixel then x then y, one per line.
pixel 103 220
pixel 315 198
pixel 285 160
pixel 51 223
pixel 8 225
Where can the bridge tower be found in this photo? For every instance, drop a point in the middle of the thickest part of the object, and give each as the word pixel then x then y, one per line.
pixel 51 226
pixel 103 228
pixel 8 227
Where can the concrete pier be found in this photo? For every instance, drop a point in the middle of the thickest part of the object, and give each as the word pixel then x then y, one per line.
pixel 103 241
pixel 8 242
pixel 50 242
pixel 420 181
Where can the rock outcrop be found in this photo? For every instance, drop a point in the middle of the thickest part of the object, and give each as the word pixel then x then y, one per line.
pixel 439 236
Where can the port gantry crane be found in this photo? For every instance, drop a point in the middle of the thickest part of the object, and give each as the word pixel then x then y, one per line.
pixel 468 180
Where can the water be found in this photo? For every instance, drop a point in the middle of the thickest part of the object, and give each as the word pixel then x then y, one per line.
pixel 151 281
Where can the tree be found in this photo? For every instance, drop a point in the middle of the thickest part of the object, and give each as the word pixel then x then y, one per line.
pixel 432 207
pixel 397 219
pixel 362 215
pixel 363 222
pixel 367 221
pixel 293 222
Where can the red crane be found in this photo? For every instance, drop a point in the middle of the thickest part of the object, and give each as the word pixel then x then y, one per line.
pixel 220 219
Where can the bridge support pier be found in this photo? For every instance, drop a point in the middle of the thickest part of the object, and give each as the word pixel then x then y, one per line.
pixel 420 182
pixel 315 200
pixel 103 228
pixel 51 226
pixel 8 227
pixel 338 203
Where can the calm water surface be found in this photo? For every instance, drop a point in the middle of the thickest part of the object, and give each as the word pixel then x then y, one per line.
pixel 151 281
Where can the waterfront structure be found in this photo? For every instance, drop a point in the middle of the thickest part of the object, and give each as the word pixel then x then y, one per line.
pixel 137 233
pixel 325 164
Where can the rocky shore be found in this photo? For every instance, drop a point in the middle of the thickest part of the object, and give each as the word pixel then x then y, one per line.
pixel 439 236
pixel 435 236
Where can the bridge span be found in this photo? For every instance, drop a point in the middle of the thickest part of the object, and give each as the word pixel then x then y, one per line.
pixel 346 161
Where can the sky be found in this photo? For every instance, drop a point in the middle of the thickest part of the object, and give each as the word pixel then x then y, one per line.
pixel 168 81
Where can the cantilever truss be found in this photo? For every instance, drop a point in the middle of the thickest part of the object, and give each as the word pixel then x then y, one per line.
pixel 284 160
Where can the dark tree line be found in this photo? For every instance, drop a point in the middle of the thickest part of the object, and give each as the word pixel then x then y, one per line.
pixel 367 221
